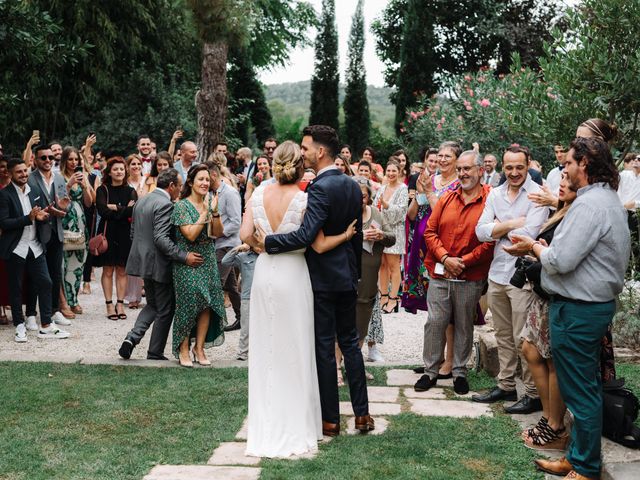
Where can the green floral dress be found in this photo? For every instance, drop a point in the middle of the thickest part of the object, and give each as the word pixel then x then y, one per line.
pixel 196 288
pixel 73 260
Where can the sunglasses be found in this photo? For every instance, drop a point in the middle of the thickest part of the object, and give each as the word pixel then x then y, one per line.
pixel 46 157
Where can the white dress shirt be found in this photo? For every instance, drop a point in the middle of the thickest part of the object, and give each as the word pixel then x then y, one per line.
pixel 629 188
pixel 499 208
pixel 28 241
pixel 553 180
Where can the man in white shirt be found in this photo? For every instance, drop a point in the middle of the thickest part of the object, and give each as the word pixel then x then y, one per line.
pixel 145 151
pixel 21 248
pixel 508 211
pixel 555 175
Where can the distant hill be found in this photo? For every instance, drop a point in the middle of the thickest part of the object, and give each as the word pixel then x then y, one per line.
pixel 292 100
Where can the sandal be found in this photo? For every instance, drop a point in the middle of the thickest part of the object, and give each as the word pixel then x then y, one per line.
pixel 110 316
pixel 121 316
pixel 394 309
pixel 534 430
pixel 546 438
pixel 382 295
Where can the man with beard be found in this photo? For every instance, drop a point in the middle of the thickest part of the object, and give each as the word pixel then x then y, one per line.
pixel 458 264
pixel 145 149
pixel 509 211
pixel 583 270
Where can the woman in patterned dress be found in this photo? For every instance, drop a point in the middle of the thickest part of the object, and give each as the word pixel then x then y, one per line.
pixel 200 310
pixel 392 200
pixel 81 195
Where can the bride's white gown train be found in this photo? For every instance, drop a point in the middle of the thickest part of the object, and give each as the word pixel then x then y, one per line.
pixel 284 400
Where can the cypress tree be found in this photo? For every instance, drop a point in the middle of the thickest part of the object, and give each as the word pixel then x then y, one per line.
pixel 356 105
pixel 418 59
pixel 324 83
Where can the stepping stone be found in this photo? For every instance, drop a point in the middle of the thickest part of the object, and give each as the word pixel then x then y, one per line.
pixel 402 377
pixel 232 453
pixel 381 426
pixel 374 408
pixel 449 408
pixel 383 394
pixel 434 393
pixel 242 433
pixel 202 472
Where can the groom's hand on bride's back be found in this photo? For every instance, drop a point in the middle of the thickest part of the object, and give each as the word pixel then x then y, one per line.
pixel 259 235
pixel 194 259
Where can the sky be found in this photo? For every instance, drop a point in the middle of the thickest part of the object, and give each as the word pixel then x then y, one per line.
pixel 300 66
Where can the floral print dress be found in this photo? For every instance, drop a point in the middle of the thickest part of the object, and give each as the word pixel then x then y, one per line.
pixel 73 260
pixel 196 288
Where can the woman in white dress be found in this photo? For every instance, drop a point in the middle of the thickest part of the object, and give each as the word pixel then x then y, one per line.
pixel 284 400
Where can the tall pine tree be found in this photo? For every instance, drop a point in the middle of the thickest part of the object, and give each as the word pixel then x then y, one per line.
pixel 418 59
pixel 356 105
pixel 324 83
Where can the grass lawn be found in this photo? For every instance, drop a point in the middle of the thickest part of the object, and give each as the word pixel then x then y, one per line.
pixel 105 422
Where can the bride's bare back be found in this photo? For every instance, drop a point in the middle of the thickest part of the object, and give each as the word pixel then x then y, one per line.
pixel 276 201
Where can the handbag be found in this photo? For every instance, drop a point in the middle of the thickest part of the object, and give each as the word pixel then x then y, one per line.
pixel 98 244
pixel 73 241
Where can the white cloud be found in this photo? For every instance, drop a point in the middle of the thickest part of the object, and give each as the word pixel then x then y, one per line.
pixel 300 66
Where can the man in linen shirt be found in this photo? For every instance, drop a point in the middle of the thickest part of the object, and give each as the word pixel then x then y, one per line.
pixel 509 211
pixel 584 270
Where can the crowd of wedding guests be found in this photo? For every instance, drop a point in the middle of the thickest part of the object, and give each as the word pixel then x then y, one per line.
pixel 441 234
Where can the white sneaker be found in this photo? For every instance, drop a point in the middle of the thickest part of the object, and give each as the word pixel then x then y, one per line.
pixel 52 331
pixel 31 324
pixel 21 333
pixel 375 355
pixel 59 319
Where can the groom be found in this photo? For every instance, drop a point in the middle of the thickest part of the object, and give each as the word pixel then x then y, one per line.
pixel 334 201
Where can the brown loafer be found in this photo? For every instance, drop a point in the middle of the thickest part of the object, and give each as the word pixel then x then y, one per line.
pixel 555 467
pixel 365 423
pixel 330 429
pixel 573 475
pixel 77 309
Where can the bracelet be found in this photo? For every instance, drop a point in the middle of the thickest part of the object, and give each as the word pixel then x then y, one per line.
pixel 215 215
pixel 444 257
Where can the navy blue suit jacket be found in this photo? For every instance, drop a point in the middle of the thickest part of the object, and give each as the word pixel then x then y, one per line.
pixel 13 220
pixel 334 200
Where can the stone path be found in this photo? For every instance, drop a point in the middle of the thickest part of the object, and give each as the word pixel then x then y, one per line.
pixel 229 461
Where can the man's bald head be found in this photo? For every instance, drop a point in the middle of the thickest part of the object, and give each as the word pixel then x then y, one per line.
pixel 189 152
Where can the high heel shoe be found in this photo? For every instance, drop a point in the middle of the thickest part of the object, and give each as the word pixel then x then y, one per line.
pixel 382 296
pixel 185 363
pixel 110 316
pixel 203 362
pixel 394 309
pixel 121 316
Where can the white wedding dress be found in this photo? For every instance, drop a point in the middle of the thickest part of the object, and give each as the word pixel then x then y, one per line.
pixel 284 400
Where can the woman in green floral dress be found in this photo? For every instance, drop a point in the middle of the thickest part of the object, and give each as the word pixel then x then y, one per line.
pixel 80 192
pixel 200 312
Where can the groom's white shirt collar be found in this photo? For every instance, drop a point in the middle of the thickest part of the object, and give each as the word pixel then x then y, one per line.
pixel 326 169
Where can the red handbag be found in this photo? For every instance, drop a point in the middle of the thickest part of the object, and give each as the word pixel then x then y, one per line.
pixel 98 244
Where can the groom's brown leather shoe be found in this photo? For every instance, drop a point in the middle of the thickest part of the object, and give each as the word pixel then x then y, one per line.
pixel 330 429
pixel 365 423
pixel 559 467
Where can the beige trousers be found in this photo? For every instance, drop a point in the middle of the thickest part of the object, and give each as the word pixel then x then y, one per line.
pixel 509 306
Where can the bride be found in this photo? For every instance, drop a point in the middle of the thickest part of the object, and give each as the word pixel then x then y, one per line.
pixel 284 400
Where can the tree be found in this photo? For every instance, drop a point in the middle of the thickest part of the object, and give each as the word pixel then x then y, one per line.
pixel 245 87
pixel 356 106
pixel 417 60
pixel 326 76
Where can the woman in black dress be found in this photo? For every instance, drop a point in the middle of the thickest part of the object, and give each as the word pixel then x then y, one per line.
pixel 114 202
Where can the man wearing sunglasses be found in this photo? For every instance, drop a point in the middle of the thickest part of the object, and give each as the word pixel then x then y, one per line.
pixel 51 187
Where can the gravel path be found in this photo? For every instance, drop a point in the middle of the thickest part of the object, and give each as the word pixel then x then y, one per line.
pixel 95 339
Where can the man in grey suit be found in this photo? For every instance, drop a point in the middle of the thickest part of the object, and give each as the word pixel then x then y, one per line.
pixel 52 188
pixel 152 252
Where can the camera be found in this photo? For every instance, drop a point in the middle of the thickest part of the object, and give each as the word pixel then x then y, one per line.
pixel 519 278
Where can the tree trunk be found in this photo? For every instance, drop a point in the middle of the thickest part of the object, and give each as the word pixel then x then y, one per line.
pixel 211 99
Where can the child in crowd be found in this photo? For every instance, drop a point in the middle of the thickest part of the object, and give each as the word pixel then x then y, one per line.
pixel 243 258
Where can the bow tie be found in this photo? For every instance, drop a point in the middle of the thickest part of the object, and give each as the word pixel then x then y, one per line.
pixel 146 160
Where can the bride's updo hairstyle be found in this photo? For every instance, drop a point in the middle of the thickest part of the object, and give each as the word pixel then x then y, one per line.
pixel 287 163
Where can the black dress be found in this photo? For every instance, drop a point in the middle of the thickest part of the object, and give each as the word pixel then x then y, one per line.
pixel 118 224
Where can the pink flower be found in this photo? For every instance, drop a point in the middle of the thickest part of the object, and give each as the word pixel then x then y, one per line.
pixel 438 127
pixel 484 102
pixel 552 96
pixel 413 115
pixel 442 120
pixel 482 78
pixel 402 130
pixel 469 108
pixel 470 92
pixel 467 78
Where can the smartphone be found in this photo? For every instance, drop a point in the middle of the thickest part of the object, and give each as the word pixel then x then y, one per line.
pixel 91 134
pixel 36 132
pixel 78 169
pixel 439 269
pixel 179 128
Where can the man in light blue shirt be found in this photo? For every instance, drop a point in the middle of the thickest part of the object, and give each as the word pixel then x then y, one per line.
pixel 583 270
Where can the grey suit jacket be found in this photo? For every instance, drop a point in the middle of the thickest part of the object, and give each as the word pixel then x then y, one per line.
pixel 153 248
pixel 58 190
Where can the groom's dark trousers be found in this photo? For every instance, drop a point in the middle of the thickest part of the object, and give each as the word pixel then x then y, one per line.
pixel 334 201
